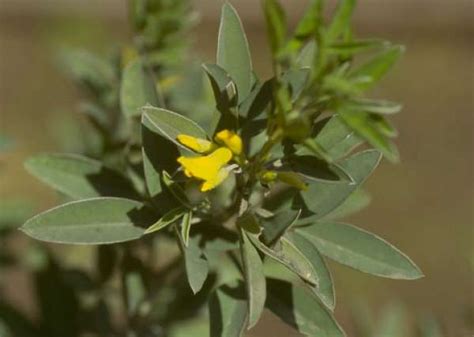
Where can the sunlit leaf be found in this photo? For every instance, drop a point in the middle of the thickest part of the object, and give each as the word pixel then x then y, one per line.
pixel 233 53
pixel 254 279
pixel 361 250
pixel 170 124
pixel 90 221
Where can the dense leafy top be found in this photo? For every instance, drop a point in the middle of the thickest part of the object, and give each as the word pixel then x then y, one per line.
pixel 259 176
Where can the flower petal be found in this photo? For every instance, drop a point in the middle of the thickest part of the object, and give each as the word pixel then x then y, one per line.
pixel 196 144
pixel 231 140
pixel 207 168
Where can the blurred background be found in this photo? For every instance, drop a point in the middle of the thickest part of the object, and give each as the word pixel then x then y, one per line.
pixel 424 205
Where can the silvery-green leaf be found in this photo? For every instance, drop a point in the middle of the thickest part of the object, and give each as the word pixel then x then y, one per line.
pixel 233 53
pixel 254 279
pixel 298 308
pixel 79 177
pixel 90 221
pixel 361 250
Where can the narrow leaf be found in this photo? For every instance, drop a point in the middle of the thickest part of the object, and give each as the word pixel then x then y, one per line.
pixel 228 312
pixel 276 226
pixel 374 106
pixel 376 68
pixel 159 155
pixel 196 265
pixel 298 308
pixel 186 227
pixel 325 289
pixel 79 177
pixel 233 50
pixel 254 279
pixel 361 250
pixel 166 220
pixel 341 20
pixel 170 124
pixel 322 198
pixel 288 255
pixel 138 88
pixel 354 203
pixel 366 127
pixel 90 221
pixel 276 24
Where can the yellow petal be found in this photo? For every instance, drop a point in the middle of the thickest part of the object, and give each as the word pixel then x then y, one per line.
pixel 196 144
pixel 231 140
pixel 220 177
pixel 207 168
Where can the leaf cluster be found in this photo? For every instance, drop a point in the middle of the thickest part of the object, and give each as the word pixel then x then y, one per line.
pixel 260 239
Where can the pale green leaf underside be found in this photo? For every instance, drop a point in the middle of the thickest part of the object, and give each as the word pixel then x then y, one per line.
pixel 361 250
pixel 90 221
pixel 233 53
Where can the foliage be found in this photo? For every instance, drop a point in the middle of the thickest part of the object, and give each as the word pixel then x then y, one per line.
pixel 255 183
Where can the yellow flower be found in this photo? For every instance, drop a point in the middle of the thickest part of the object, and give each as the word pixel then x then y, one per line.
pixel 197 144
pixel 231 140
pixel 208 168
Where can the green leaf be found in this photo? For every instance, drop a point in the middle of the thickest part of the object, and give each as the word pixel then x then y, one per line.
pixel 365 126
pixel 249 222
pixel 233 52
pixel 356 46
pixel 336 138
pixel 78 177
pixel 371 72
pixel 314 169
pixel 296 80
pixel 228 312
pixel 176 190
pixel 341 20
pixel 354 203
pixel 170 124
pixel 186 226
pixel 306 55
pixel 311 20
pixel 90 221
pixel 322 198
pixel 138 88
pixel 361 250
pixel 159 155
pixel 275 226
pixel 254 279
pixel 89 69
pixel 298 308
pixel 288 255
pixel 224 89
pixel 276 24
pixel 325 289
pixel 258 100
pixel 166 220
pixel 374 106
pixel 196 265
pixel 383 125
